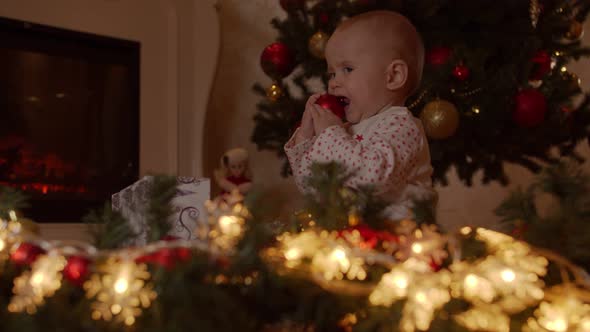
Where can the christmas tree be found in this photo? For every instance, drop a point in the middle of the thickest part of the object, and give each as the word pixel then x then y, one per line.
pixel 495 88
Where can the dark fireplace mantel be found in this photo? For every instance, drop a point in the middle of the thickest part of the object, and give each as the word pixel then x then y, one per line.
pixel 69 117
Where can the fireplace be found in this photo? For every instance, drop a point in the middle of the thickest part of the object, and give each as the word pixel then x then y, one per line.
pixel 69 117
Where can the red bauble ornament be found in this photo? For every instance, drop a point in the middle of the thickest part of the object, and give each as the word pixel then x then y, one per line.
pixel 530 107
pixel 332 103
pixel 323 19
pixel 541 65
pixel 370 237
pixel 292 5
pixel 26 254
pixel 277 60
pixel 166 257
pixel 169 238
pixel 461 72
pixel 76 270
pixel 438 55
pixel 434 265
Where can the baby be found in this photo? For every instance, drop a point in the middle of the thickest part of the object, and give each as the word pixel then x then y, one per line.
pixel 375 63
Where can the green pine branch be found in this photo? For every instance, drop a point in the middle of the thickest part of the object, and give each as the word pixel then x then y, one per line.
pixel 11 200
pixel 564 225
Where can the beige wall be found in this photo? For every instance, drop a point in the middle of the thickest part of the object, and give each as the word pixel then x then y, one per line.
pixel 245 32
pixel 179 48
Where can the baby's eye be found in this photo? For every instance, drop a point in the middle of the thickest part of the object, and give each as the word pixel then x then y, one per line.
pixel 347 69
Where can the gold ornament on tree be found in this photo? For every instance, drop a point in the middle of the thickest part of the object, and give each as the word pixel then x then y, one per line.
pixel 274 92
pixel 317 44
pixel 440 119
pixel 571 80
pixel 575 31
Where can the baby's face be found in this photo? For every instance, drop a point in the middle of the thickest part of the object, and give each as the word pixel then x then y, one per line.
pixel 357 71
pixel 237 168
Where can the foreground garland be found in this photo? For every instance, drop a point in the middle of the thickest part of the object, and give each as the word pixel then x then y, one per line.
pixel 334 269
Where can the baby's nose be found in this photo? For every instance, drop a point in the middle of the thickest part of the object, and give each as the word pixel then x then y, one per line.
pixel 332 86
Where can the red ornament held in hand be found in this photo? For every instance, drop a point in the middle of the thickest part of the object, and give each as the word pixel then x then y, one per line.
pixel 530 107
pixel 333 103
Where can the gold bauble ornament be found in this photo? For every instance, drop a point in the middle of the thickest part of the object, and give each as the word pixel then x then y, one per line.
pixel 575 31
pixel 572 80
pixel 317 44
pixel 274 92
pixel 440 119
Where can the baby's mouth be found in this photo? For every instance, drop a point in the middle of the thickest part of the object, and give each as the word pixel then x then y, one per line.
pixel 344 101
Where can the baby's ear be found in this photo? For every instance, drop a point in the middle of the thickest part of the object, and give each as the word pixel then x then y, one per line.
pixel 396 75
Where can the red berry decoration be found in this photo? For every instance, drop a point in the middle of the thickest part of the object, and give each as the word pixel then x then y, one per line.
pixel 277 60
pixel 292 5
pixel 541 65
pixel 461 72
pixel 26 254
pixel 439 55
pixel 332 103
pixel 76 270
pixel 530 107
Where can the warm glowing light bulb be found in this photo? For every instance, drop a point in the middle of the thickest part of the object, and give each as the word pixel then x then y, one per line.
pixel 558 325
pixel 12 215
pixel 508 275
pixel 116 309
pixel 2 244
pixel 466 230
pixel 563 69
pixel 421 297
pixel 400 282
pixel 338 254
pixel 293 254
pixel 36 279
pixel 471 281
pixel 417 248
pixel 121 285
pixel 226 223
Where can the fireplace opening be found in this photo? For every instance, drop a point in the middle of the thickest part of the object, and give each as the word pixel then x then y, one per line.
pixel 69 117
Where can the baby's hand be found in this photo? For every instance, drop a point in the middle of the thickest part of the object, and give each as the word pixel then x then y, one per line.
pixel 323 118
pixel 307 131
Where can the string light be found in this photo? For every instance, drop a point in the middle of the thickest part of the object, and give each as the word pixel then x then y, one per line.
pixel 120 289
pixel 504 282
pixel 32 287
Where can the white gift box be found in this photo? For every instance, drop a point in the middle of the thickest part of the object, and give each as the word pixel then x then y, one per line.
pixel 188 206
